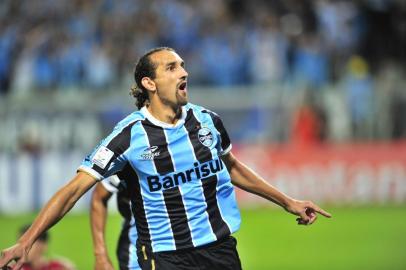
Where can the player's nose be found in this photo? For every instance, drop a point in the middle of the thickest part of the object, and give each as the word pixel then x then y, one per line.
pixel 184 73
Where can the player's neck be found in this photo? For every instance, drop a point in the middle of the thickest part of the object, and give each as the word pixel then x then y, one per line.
pixel 165 113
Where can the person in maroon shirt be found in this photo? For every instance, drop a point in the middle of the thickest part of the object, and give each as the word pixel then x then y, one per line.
pixel 37 259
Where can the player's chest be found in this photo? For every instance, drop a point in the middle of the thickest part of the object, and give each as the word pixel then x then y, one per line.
pixel 180 147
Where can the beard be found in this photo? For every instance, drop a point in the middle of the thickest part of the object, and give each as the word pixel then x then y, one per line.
pixel 182 99
pixel 179 100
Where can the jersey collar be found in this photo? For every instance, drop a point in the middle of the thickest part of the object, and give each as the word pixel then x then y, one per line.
pixel 157 122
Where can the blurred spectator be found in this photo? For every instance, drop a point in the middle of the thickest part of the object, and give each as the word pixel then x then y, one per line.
pixel 398 113
pixel 341 29
pixel 37 259
pixel 310 62
pixel 99 70
pixel 308 123
pixel 267 48
pixel 221 55
pixel 181 25
pixel 385 37
pixel 398 107
pixel 339 25
pixel 8 36
pixel 359 89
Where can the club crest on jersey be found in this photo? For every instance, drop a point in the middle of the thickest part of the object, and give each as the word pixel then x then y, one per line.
pixel 205 136
pixel 150 153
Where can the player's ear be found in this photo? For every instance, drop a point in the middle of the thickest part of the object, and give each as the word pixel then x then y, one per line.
pixel 149 84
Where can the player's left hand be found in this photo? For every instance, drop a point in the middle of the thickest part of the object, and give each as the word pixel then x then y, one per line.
pixel 306 210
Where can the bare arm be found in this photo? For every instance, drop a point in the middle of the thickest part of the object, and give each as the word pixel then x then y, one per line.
pixel 246 179
pixel 98 216
pixel 49 215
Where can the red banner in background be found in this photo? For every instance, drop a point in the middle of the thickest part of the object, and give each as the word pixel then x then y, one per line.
pixel 350 173
pixel 342 174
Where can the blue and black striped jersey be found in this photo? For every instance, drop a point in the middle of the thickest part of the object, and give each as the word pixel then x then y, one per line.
pixel 180 190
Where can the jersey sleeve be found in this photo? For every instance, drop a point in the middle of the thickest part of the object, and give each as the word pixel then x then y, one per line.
pixel 108 157
pixel 225 142
pixel 111 184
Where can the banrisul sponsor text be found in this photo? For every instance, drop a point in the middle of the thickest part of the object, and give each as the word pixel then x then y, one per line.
pixel 199 171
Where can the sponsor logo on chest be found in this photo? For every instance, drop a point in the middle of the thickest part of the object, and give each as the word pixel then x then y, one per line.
pixel 199 171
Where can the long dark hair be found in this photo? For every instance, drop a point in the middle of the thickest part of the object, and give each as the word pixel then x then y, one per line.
pixel 144 68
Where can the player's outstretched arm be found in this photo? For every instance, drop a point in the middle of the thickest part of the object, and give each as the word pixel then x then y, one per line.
pixel 50 214
pixel 98 216
pixel 246 179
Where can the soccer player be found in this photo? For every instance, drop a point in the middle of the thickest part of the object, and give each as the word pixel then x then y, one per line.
pixel 37 260
pixel 179 171
pixel 126 254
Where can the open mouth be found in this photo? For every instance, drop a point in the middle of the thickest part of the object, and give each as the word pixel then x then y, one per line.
pixel 183 86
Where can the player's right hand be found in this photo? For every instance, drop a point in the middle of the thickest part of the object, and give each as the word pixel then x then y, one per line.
pixel 17 254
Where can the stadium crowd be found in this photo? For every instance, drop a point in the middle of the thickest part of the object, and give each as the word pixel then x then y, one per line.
pixel 58 44
pixel 359 46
